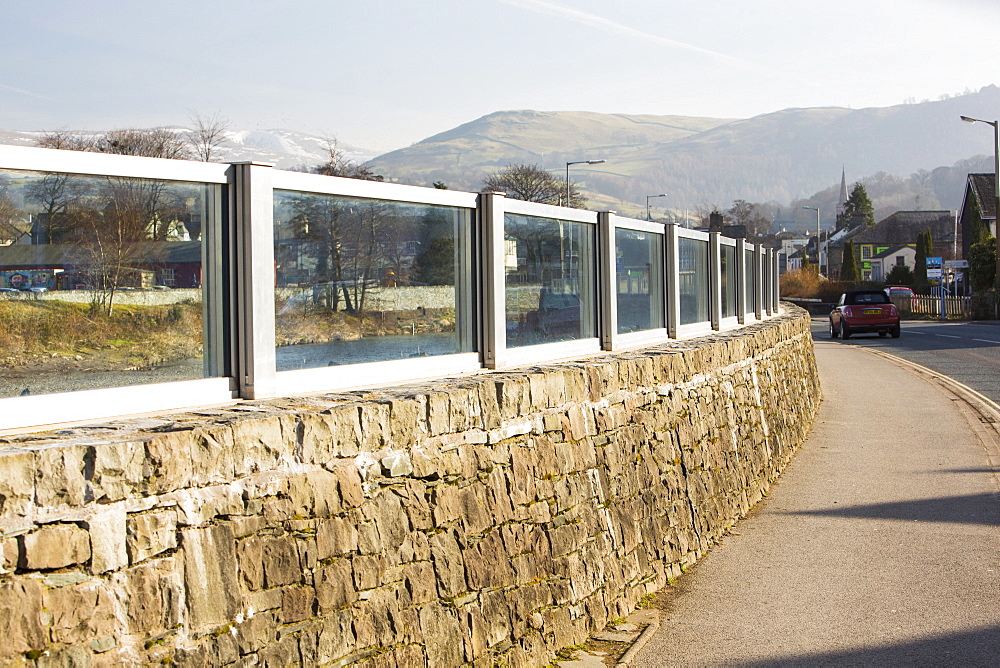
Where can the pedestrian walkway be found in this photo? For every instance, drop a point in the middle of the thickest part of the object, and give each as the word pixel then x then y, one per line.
pixel 880 545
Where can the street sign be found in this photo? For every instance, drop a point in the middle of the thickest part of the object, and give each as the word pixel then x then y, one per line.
pixel 933 269
pixel 956 264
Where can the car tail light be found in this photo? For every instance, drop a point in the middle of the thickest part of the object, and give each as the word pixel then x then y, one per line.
pixel 847 312
pixel 892 311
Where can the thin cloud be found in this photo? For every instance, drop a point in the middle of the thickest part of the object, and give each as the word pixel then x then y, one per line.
pixel 613 27
pixel 26 92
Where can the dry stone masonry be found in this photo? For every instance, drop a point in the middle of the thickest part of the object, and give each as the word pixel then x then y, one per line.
pixel 489 519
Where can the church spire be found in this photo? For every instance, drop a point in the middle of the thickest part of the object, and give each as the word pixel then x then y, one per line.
pixel 843 192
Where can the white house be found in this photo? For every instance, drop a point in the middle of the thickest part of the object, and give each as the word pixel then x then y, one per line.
pixel 895 256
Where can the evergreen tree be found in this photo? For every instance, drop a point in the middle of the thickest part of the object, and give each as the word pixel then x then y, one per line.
pixel 858 205
pixel 849 267
pixel 925 249
pixel 983 264
pixel 900 275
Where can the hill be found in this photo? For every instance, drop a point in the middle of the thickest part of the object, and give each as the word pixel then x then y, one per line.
pixel 779 157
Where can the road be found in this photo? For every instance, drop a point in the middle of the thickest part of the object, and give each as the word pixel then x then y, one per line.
pixel 966 351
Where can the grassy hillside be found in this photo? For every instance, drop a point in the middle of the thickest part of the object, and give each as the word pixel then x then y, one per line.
pixel 777 157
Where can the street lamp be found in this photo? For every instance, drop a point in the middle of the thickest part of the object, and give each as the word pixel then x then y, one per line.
pixel 819 256
pixel 578 162
pixel 649 197
pixel 996 182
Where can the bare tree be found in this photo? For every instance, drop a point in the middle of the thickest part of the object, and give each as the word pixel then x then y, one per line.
pixel 110 220
pixel 531 183
pixel 152 143
pixel 750 216
pixel 338 164
pixel 207 134
pixel 67 141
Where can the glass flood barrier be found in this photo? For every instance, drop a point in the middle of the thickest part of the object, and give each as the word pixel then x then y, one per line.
pixel 693 280
pixel 362 280
pixel 639 280
pixel 121 275
pixel 102 282
pixel 550 280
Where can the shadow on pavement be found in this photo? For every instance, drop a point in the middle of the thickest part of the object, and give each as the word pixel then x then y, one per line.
pixel 969 509
pixel 973 648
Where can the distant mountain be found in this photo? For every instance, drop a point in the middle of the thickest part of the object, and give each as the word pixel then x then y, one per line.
pixel 777 157
pixel 782 157
pixel 285 149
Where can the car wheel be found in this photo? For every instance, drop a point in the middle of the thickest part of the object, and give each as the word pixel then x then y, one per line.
pixel 845 331
pixel 833 331
pixel 895 332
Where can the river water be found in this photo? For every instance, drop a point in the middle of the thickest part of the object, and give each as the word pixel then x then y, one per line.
pixel 359 351
pixel 50 378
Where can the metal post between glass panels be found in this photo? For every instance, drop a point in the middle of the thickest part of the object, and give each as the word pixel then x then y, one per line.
pixel 715 279
pixel 769 280
pixel 253 212
pixel 608 307
pixel 494 314
pixel 758 281
pixel 775 283
pixel 672 262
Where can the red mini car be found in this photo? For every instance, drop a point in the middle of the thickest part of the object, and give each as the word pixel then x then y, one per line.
pixel 864 311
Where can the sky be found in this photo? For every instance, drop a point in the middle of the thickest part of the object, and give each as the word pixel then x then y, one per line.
pixel 383 74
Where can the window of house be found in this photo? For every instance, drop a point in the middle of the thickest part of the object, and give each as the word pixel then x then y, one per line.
pixel 866 252
pixel 900 261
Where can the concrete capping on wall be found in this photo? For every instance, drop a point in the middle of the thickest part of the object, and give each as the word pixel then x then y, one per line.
pixel 489 518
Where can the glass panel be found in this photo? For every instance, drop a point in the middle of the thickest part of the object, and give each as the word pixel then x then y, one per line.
pixel 640 280
pixel 551 280
pixel 728 281
pixel 362 280
pixel 693 280
pixel 102 282
pixel 751 293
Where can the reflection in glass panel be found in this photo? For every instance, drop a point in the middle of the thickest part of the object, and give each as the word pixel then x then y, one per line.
pixel 361 280
pixel 639 280
pixel 751 289
pixel 693 280
pixel 551 280
pixel 728 281
pixel 101 282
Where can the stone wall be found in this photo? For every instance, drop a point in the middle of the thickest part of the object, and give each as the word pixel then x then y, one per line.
pixel 486 519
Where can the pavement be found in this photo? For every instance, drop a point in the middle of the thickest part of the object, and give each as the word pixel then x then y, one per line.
pixel 879 545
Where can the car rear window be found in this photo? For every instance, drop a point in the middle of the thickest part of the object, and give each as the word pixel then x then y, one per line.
pixel 868 298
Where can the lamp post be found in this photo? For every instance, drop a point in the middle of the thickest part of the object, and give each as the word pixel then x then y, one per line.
pixel 819 256
pixel 649 197
pixel 996 183
pixel 578 162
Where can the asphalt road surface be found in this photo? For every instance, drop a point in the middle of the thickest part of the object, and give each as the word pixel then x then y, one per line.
pixel 969 352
